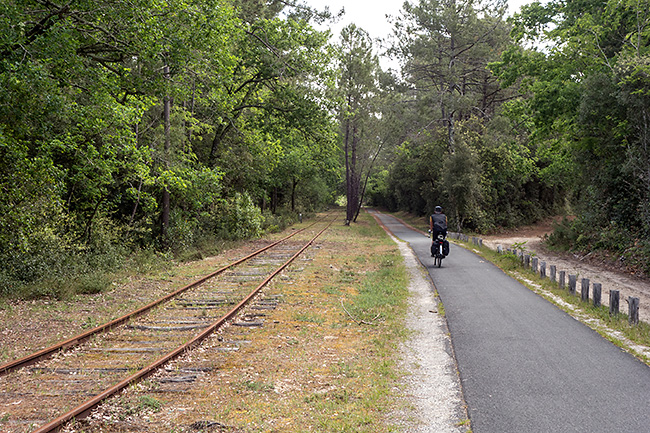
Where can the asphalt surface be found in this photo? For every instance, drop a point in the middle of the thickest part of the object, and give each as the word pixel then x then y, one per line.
pixel 525 365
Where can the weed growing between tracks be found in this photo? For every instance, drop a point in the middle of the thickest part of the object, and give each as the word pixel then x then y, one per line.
pixel 325 359
pixel 330 367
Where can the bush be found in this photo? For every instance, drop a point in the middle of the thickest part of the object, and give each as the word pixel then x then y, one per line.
pixel 622 245
pixel 279 221
pixel 182 232
pixel 241 219
pixel 564 235
pixel 53 264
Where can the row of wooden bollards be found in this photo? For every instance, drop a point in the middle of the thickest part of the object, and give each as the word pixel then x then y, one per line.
pixel 570 281
pixel 465 238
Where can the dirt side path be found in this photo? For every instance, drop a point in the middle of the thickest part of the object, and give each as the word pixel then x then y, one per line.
pixel 610 278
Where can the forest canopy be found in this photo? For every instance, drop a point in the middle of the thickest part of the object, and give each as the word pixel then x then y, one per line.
pixel 155 125
pixel 161 126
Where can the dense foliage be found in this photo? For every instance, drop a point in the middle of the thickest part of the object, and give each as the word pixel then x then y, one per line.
pixel 590 106
pixel 460 138
pixel 155 124
pixel 160 125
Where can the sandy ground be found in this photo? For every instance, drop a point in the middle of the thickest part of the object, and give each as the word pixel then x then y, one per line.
pixel 610 278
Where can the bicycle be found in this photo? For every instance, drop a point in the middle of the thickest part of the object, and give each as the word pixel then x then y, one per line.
pixel 437 250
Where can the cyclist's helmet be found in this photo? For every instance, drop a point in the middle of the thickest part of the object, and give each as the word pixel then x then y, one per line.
pixel 438 209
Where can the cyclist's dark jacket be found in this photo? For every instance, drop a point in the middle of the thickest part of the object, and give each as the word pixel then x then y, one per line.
pixel 439 221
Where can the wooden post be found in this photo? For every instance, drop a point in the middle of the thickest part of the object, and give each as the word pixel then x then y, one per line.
pixel 553 270
pixel 573 279
pixel 542 269
pixel 633 304
pixel 597 289
pixel 614 296
pixel 562 279
pixel 584 292
pixel 535 262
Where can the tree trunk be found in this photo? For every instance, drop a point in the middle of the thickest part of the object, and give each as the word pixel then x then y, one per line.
pixel 165 195
pixel 451 133
pixel 348 191
pixel 365 183
pixel 363 192
pixel 89 224
pixel 294 183
pixel 137 200
pixel 353 178
pixel 136 204
pixel 274 200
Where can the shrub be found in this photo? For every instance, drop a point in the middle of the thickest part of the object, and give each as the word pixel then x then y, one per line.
pixel 241 219
pixel 278 221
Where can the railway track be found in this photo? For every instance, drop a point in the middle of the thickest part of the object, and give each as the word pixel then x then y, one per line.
pixel 64 382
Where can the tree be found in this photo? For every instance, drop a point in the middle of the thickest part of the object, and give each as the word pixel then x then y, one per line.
pixel 447 45
pixel 357 91
pixel 273 106
pixel 450 100
pixel 588 101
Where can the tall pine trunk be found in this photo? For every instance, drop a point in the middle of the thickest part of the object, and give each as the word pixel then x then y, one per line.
pixel 165 194
pixel 352 176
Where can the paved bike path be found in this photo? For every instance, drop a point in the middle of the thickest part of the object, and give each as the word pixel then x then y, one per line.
pixel 525 365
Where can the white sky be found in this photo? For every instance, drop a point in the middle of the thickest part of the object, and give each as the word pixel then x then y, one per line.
pixel 370 15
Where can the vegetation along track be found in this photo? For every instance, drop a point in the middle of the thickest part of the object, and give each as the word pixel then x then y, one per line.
pixel 70 383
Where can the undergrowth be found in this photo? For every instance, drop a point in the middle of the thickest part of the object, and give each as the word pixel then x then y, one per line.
pixel 60 272
pixel 619 245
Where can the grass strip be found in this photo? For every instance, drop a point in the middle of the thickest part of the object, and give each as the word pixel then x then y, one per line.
pixel 326 359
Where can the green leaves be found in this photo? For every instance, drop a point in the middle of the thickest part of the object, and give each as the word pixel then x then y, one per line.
pixel 587 93
pixel 84 141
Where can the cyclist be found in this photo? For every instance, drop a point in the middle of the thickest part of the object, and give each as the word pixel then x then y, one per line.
pixel 437 225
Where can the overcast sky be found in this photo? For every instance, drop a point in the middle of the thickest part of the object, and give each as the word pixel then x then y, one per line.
pixel 370 15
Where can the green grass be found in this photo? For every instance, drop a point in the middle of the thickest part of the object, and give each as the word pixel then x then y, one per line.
pixel 309 318
pixel 250 385
pixel 364 391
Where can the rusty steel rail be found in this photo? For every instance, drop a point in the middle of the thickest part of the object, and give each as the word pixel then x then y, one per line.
pixel 84 409
pixel 78 339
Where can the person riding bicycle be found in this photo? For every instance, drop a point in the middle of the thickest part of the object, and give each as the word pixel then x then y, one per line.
pixel 437 225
